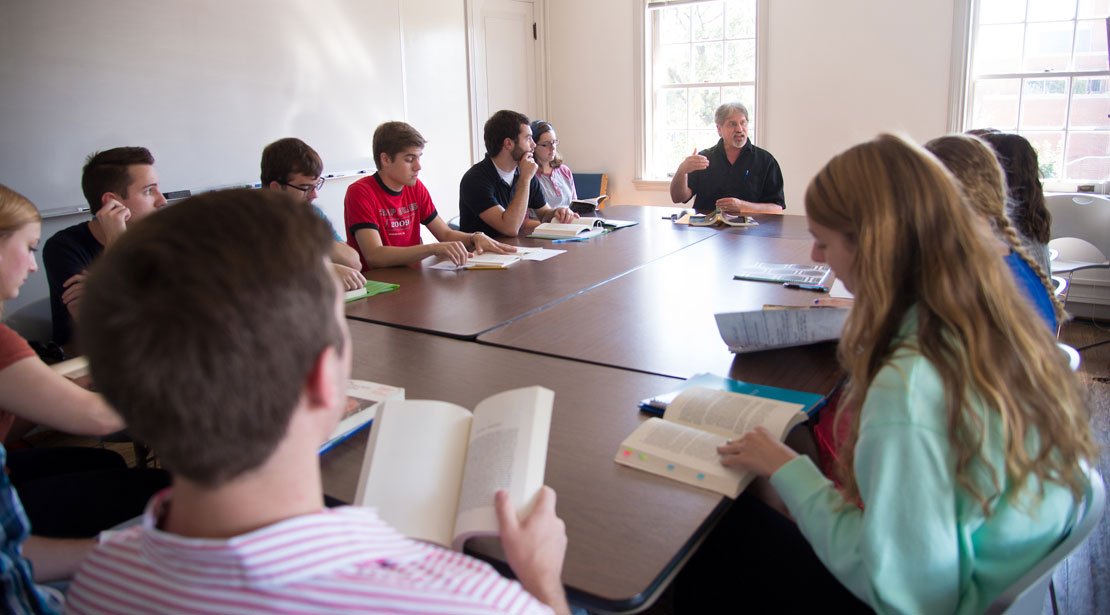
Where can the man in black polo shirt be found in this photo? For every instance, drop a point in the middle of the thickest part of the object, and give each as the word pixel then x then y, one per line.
pixel 734 175
pixel 489 200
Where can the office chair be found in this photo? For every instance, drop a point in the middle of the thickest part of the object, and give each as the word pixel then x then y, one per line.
pixel 1026 596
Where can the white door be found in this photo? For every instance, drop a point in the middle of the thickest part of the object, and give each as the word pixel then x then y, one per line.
pixel 505 62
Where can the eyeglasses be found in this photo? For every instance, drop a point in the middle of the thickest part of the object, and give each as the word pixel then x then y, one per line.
pixel 305 189
pixel 551 144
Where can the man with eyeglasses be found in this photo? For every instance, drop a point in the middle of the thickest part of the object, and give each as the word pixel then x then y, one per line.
pixel 734 175
pixel 501 196
pixel 292 166
pixel 121 187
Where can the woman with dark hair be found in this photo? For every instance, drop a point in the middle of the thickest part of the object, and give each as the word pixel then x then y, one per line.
pixel 1027 206
pixel 556 180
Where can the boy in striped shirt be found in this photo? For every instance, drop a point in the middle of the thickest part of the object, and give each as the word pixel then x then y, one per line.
pixel 233 368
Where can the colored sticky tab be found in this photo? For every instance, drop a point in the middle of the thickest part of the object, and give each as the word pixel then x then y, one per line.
pixel 627 452
pixel 701 476
pixel 670 466
pixel 643 457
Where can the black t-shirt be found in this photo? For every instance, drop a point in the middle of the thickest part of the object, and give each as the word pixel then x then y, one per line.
pixel 69 252
pixel 482 187
pixel 754 177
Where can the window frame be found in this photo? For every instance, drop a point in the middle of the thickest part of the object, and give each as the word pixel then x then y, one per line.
pixel 965 33
pixel 645 93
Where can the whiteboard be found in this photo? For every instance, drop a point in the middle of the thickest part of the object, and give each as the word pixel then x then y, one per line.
pixel 204 84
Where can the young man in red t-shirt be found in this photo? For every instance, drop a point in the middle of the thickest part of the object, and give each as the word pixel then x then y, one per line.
pixel 383 212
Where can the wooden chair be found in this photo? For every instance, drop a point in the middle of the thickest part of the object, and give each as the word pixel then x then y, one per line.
pixel 591 185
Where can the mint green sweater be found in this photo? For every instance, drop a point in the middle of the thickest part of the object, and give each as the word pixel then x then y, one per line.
pixel 921 544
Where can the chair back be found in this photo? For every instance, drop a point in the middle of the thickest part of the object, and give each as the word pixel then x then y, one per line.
pixel 590 185
pixel 1082 216
pixel 33 321
pixel 1027 595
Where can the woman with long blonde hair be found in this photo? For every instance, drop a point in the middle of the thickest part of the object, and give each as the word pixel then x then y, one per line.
pixel 962 467
pixel 974 164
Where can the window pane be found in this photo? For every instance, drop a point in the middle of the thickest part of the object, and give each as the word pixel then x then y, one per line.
pixel 1047 46
pixel 994 104
pixel 998 49
pixel 674 25
pixel 741 18
pixel 1044 104
pixel 673 65
pixel 708 21
pixel 1089 9
pixel 709 62
pixel 1090 45
pixel 1048 10
pixel 671 108
pixel 741 60
pixel 1001 11
pixel 1088 156
pixel 744 94
pixel 1090 103
pixel 670 149
pixel 703 139
pixel 703 104
pixel 1050 152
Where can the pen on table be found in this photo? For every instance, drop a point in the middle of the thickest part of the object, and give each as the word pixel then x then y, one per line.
pixel 814 287
pixel 570 239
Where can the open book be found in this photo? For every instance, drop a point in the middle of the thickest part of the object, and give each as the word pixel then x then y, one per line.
pixel 363 400
pixel 805 275
pixel 432 468
pixel 719 217
pixel 485 260
pixel 76 369
pixel 780 327
pixel 560 230
pixel 683 444
pixel 583 205
pixel 606 223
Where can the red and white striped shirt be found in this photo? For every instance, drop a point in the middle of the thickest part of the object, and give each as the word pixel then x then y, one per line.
pixel 340 560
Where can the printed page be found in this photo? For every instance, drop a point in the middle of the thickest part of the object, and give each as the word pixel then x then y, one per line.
pixel 682 453
pixel 537 254
pixel 412 471
pixel 508 450
pixel 765 329
pixel 730 415
pixel 363 399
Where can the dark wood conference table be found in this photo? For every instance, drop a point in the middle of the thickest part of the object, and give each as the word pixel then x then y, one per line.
pixel 628 531
pixel 614 320
pixel 466 303
pixel 659 318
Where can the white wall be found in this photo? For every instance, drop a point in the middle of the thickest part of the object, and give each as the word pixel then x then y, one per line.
pixel 837 73
pixel 205 84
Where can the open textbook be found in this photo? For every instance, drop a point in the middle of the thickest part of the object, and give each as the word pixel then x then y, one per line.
pixel 780 328
pixel 568 230
pixel 683 444
pixel 432 468
pixel 363 400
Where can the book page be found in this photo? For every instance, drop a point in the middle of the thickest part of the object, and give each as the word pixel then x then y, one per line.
pixel 413 467
pixel 730 415
pixel 363 400
pixel 507 450
pixel 766 329
pixel 682 453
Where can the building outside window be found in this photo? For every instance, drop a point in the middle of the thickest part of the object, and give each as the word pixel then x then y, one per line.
pixel 1040 68
pixel 697 55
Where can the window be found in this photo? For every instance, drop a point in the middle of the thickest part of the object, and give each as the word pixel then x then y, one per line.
pixel 696 56
pixel 1040 68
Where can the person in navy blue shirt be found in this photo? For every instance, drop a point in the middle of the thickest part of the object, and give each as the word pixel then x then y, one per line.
pixel 734 175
